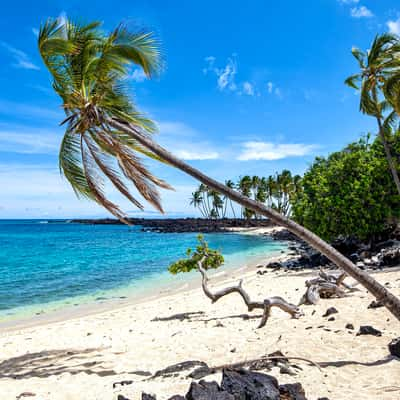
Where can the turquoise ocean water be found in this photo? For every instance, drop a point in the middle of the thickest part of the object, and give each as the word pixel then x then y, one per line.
pixel 50 265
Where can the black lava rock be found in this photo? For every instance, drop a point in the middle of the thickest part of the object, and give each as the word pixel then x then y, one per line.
pixel 292 391
pixel 368 330
pixel 330 311
pixel 375 304
pixel 244 384
pixel 394 347
pixel 206 391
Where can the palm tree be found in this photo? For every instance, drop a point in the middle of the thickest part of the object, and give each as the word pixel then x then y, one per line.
pixel 244 186
pixel 377 65
pixel 230 184
pixel 88 68
pixel 197 201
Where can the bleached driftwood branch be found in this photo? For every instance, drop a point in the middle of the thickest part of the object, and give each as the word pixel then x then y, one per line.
pixel 265 305
pixel 325 286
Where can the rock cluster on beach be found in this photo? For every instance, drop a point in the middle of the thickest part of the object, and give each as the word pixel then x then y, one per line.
pixel 240 384
pixel 374 256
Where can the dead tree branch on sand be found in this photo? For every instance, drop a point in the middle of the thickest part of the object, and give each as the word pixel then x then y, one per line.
pixel 325 286
pixel 265 305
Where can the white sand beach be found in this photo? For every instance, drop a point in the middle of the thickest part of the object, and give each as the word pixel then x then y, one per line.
pixel 81 357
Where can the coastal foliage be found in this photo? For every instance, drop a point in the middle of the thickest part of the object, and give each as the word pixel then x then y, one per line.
pixel 349 193
pixel 276 191
pixel 89 69
pixel 211 259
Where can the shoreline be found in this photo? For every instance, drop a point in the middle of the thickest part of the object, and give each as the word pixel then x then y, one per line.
pixel 83 357
pixel 160 290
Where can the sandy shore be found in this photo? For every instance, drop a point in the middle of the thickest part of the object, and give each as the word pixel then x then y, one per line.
pixel 81 358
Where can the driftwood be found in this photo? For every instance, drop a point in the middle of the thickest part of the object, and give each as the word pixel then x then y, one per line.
pixel 325 286
pixel 262 363
pixel 265 305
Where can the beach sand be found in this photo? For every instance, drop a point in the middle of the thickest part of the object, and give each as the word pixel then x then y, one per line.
pixel 81 357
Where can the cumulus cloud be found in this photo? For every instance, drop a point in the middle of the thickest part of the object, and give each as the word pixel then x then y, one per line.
pixel 21 59
pixel 394 27
pixel 361 12
pixel 196 155
pixel 271 151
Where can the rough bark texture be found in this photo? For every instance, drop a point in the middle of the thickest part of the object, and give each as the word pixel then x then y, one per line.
pixel 392 303
pixel 265 305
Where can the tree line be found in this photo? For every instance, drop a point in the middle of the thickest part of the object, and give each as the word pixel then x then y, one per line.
pixel 276 191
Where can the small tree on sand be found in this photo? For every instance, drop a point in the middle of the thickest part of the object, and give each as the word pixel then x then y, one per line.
pixel 203 259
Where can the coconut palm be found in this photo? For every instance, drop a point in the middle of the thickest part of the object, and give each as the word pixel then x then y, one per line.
pixel 231 185
pixel 197 201
pixel 102 126
pixel 379 64
pixel 245 185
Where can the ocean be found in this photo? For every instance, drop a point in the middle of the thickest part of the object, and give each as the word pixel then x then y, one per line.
pixel 47 265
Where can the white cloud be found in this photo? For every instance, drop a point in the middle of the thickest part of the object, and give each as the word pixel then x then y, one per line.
pixel 29 141
pixel 348 1
pixel 29 111
pixel 226 76
pixel 270 87
pixel 35 31
pixel 21 58
pixel 394 26
pixel 196 155
pixel 181 138
pixel 271 151
pixel 38 191
pixel 138 75
pixel 248 88
pixel 361 12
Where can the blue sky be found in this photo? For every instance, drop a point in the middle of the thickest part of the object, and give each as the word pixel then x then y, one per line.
pixel 247 89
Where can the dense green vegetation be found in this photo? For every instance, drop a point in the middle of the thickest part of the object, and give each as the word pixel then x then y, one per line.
pixel 276 191
pixel 349 193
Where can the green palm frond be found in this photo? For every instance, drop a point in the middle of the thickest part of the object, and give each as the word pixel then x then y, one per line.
pixel 89 70
pixel 353 81
pixel 359 56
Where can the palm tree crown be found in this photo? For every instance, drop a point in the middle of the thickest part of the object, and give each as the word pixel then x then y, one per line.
pixel 89 70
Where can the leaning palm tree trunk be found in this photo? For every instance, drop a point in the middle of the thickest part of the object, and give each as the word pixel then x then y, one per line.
pixel 389 156
pixel 391 302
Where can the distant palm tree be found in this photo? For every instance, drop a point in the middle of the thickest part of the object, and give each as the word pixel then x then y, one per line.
pixel 377 65
pixel 244 185
pixel 231 185
pixel 197 201
pixel 104 129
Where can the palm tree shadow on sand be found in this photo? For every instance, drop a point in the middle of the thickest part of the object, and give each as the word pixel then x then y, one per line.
pixel 54 362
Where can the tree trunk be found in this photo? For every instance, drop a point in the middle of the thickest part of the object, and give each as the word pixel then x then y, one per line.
pixel 389 157
pixel 379 291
